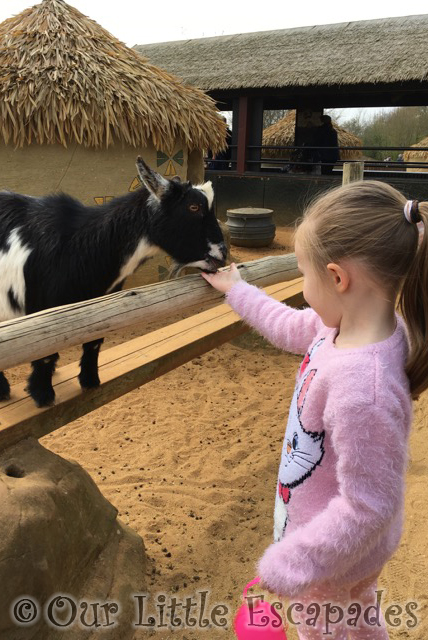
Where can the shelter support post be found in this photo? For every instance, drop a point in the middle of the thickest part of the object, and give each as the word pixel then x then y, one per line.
pixel 250 132
pixel 235 130
pixel 255 134
pixel 241 164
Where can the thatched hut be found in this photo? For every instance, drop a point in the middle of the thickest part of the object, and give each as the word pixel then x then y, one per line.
pixel 417 156
pixel 77 106
pixel 282 133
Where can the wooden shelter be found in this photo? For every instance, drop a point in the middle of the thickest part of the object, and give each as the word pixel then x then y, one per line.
pixel 77 106
pixel 370 63
pixel 417 156
pixel 282 133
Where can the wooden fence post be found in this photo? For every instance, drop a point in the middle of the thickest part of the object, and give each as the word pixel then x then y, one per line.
pixel 352 171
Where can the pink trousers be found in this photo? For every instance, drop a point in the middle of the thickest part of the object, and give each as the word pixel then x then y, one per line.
pixel 345 598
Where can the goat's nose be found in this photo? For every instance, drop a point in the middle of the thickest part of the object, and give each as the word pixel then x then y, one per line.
pixel 218 254
pixel 217 262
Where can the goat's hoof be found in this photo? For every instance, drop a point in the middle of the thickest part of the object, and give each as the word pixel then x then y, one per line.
pixel 4 396
pixel 42 404
pixel 4 388
pixel 43 398
pixel 89 382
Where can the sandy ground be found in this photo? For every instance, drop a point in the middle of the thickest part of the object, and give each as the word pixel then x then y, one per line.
pixel 190 461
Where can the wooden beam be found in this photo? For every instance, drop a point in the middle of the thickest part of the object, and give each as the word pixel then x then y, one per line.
pixel 352 172
pixel 255 132
pixel 126 367
pixel 235 132
pixel 41 334
pixel 243 124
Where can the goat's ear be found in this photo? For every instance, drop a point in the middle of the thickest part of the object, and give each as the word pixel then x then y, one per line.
pixel 176 179
pixel 155 183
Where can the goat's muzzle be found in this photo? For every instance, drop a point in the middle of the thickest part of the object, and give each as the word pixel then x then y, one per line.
pixel 214 264
pixel 216 257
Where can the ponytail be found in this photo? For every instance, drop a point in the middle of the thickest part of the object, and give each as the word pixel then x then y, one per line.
pixel 414 307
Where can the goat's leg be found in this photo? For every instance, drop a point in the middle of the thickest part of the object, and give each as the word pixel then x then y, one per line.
pixel 4 387
pixel 88 376
pixel 40 381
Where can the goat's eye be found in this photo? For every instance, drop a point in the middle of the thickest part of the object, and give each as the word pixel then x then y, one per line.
pixel 194 207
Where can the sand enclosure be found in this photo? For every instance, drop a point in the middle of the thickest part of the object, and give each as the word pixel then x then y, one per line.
pixel 190 461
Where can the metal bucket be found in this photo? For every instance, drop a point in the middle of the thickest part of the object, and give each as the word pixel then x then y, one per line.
pixel 250 227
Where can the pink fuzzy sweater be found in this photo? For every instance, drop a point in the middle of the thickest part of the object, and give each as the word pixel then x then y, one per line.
pixel 340 491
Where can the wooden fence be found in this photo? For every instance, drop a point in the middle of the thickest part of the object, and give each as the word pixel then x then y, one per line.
pixel 130 365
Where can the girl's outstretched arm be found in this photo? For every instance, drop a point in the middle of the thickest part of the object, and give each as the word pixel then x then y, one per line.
pixel 286 328
pixel 364 518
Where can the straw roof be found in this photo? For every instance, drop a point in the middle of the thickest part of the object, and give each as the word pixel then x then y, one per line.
pixel 63 78
pixel 281 133
pixel 417 156
pixel 369 51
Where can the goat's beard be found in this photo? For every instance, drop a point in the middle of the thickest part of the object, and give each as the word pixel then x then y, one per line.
pixel 175 270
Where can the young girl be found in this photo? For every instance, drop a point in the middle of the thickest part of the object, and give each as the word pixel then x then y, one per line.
pixel 340 492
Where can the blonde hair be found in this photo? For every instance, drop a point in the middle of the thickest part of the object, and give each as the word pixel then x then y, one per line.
pixel 365 221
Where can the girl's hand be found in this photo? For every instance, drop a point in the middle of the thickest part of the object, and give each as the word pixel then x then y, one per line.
pixel 223 280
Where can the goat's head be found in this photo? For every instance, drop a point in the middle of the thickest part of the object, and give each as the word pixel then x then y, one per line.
pixel 182 220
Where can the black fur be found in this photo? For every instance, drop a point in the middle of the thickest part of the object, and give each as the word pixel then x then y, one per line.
pixel 13 301
pixel 77 252
pixel 4 387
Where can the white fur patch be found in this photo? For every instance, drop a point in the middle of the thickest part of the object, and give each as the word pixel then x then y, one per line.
pixel 153 202
pixel 215 251
pixel 144 250
pixel 200 264
pixel 208 191
pixel 12 261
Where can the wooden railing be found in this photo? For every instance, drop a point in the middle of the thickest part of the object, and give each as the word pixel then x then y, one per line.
pixel 136 362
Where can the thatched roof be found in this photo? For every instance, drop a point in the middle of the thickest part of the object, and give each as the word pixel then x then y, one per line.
pixel 369 51
pixel 281 133
pixel 417 156
pixel 64 78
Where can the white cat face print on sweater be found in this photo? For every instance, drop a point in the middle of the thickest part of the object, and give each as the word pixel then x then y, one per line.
pixel 302 450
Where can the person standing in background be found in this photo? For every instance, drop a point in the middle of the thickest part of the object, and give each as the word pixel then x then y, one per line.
pixel 327 141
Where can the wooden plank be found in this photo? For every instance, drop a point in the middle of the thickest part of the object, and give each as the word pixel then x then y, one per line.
pixel 126 367
pixel 352 172
pixel 41 334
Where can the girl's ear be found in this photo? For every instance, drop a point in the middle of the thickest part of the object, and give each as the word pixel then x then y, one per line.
pixel 339 277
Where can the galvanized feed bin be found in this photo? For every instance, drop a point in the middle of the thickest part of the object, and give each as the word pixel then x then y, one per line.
pixel 250 227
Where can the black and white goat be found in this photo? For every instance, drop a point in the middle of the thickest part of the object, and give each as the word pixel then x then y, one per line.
pixel 55 251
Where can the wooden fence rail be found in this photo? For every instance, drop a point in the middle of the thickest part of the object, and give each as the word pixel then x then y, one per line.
pixel 41 334
pixel 126 367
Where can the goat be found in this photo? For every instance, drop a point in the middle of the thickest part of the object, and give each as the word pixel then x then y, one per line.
pixel 54 251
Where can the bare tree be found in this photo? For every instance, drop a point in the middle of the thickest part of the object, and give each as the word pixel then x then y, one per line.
pixel 270 116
